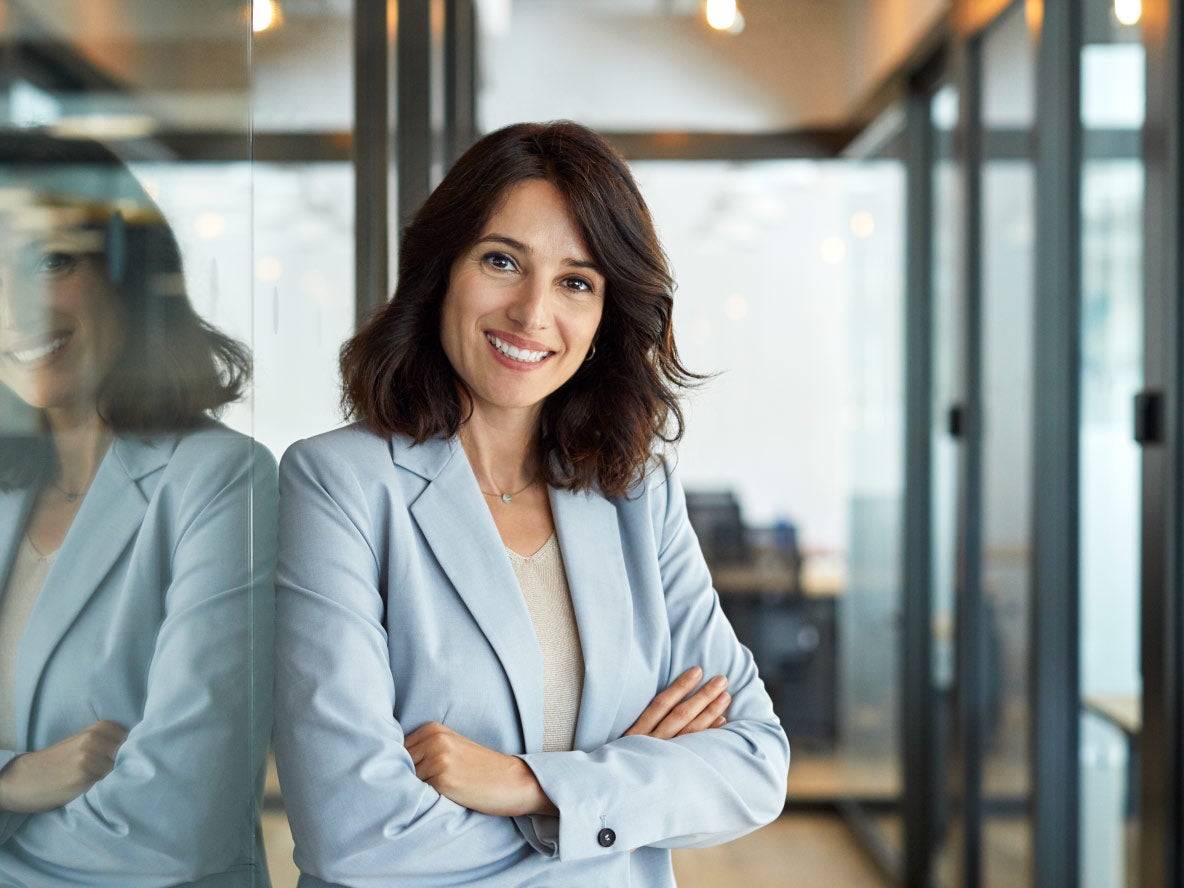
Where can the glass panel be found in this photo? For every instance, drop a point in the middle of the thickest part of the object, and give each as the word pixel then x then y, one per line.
pixel 1006 324
pixel 1112 104
pixel 947 392
pixel 790 290
pixel 136 532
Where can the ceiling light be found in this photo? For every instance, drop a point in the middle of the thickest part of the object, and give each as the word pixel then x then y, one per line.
pixel 265 15
pixel 721 14
pixel 1128 12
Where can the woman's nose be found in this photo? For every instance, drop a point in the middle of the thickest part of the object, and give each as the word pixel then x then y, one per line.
pixel 531 308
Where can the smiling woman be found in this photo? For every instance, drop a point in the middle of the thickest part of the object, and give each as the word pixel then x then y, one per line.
pixel 136 546
pixel 494 621
pixel 537 282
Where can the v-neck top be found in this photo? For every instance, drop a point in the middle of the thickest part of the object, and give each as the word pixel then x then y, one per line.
pixel 29 570
pixel 544 587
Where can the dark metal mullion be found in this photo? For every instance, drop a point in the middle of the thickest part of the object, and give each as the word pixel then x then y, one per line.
pixel 1162 572
pixel 413 128
pixel 970 621
pixel 918 705
pixel 460 78
pixel 1054 628
pixel 371 156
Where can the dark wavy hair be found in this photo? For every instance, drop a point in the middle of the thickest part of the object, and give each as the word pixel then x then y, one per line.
pixel 174 372
pixel 600 428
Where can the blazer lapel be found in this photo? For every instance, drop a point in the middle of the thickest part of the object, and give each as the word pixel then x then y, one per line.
pixel 590 540
pixel 110 516
pixel 453 517
pixel 14 514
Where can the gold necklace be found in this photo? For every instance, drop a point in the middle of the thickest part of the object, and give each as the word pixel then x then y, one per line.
pixel 71 495
pixel 508 498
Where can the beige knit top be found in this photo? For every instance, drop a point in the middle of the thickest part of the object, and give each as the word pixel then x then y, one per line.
pixel 544 586
pixel 29 569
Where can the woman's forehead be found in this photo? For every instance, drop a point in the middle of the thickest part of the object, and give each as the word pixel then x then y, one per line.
pixel 70 228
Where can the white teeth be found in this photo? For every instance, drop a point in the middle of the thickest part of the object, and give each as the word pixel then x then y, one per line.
pixel 29 355
pixel 524 355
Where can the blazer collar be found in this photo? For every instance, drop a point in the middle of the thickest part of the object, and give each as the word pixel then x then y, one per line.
pixel 110 516
pixel 454 518
pixel 428 459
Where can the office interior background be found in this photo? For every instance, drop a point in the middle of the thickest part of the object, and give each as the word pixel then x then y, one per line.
pixel 930 249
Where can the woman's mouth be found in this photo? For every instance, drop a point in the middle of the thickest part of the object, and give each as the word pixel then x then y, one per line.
pixel 514 353
pixel 38 349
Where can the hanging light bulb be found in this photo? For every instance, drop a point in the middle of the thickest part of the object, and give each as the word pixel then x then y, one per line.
pixel 721 14
pixel 1128 12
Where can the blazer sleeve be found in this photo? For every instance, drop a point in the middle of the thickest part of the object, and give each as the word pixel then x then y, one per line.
pixel 692 791
pixel 10 821
pixel 359 814
pixel 182 800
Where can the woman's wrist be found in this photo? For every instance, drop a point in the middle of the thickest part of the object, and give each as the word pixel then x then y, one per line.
pixel 535 800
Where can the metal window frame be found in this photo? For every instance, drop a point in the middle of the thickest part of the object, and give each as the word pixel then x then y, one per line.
pixel 1054 696
pixel 1162 569
pixel 919 767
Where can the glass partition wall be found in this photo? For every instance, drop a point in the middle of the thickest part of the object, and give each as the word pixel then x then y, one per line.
pixel 138 534
pixel 1112 184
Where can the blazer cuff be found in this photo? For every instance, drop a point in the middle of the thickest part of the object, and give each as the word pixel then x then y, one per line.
pixel 588 827
pixel 541 832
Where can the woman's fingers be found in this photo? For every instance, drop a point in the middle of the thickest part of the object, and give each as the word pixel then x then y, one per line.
pixel 710 717
pixel 677 710
pixel 664 702
pixel 689 710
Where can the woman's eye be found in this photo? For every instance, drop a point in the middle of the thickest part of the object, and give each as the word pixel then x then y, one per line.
pixel 578 283
pixel 55 264
pixel 500 261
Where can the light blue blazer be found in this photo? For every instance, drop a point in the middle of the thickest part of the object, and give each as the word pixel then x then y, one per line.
pixel 158 614
pixel 397 605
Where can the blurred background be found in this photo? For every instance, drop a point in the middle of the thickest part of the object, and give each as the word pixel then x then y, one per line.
pixel 931 250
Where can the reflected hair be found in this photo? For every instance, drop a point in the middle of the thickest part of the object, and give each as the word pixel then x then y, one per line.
pixel 174 371
pixel 600 429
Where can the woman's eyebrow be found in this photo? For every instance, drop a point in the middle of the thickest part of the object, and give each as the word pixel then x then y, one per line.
pixel 503 239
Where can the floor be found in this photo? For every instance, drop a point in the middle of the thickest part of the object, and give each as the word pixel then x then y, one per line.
pixel 797 851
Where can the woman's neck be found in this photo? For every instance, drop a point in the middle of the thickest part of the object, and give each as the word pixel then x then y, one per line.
pixel 80 439
pixel 502 448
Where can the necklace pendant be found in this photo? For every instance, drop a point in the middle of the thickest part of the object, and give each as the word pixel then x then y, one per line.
pixel 506 498
pixel 71 497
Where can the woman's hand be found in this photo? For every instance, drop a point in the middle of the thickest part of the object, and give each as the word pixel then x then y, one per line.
pixel 677 711
pixel 36 782
pixel 474 776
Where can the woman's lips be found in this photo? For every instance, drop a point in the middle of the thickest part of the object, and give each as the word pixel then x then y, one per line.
pixel 37 349
pixel 519 354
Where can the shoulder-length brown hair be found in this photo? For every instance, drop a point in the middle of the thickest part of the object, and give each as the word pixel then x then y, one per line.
pixel 174 371
pixel 599 428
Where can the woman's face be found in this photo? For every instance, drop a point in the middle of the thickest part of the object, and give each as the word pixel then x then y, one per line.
pixel 60 331
pixel 523 303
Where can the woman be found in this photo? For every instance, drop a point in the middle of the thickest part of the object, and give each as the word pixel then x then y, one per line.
pixel 135 629
pixel 485 582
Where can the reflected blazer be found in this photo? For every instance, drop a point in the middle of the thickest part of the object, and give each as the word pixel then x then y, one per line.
pixel 397 605
pixel 158 614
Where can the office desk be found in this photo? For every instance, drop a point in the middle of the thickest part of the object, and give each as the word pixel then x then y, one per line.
pixel 792 639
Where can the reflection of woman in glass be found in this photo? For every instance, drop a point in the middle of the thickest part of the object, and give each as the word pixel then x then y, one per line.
pixel 492 612
pixel 135 631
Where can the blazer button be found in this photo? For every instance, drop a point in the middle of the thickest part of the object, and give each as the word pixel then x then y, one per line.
pixel 606 837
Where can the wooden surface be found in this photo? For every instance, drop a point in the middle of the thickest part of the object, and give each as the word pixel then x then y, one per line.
pixel 1125 713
